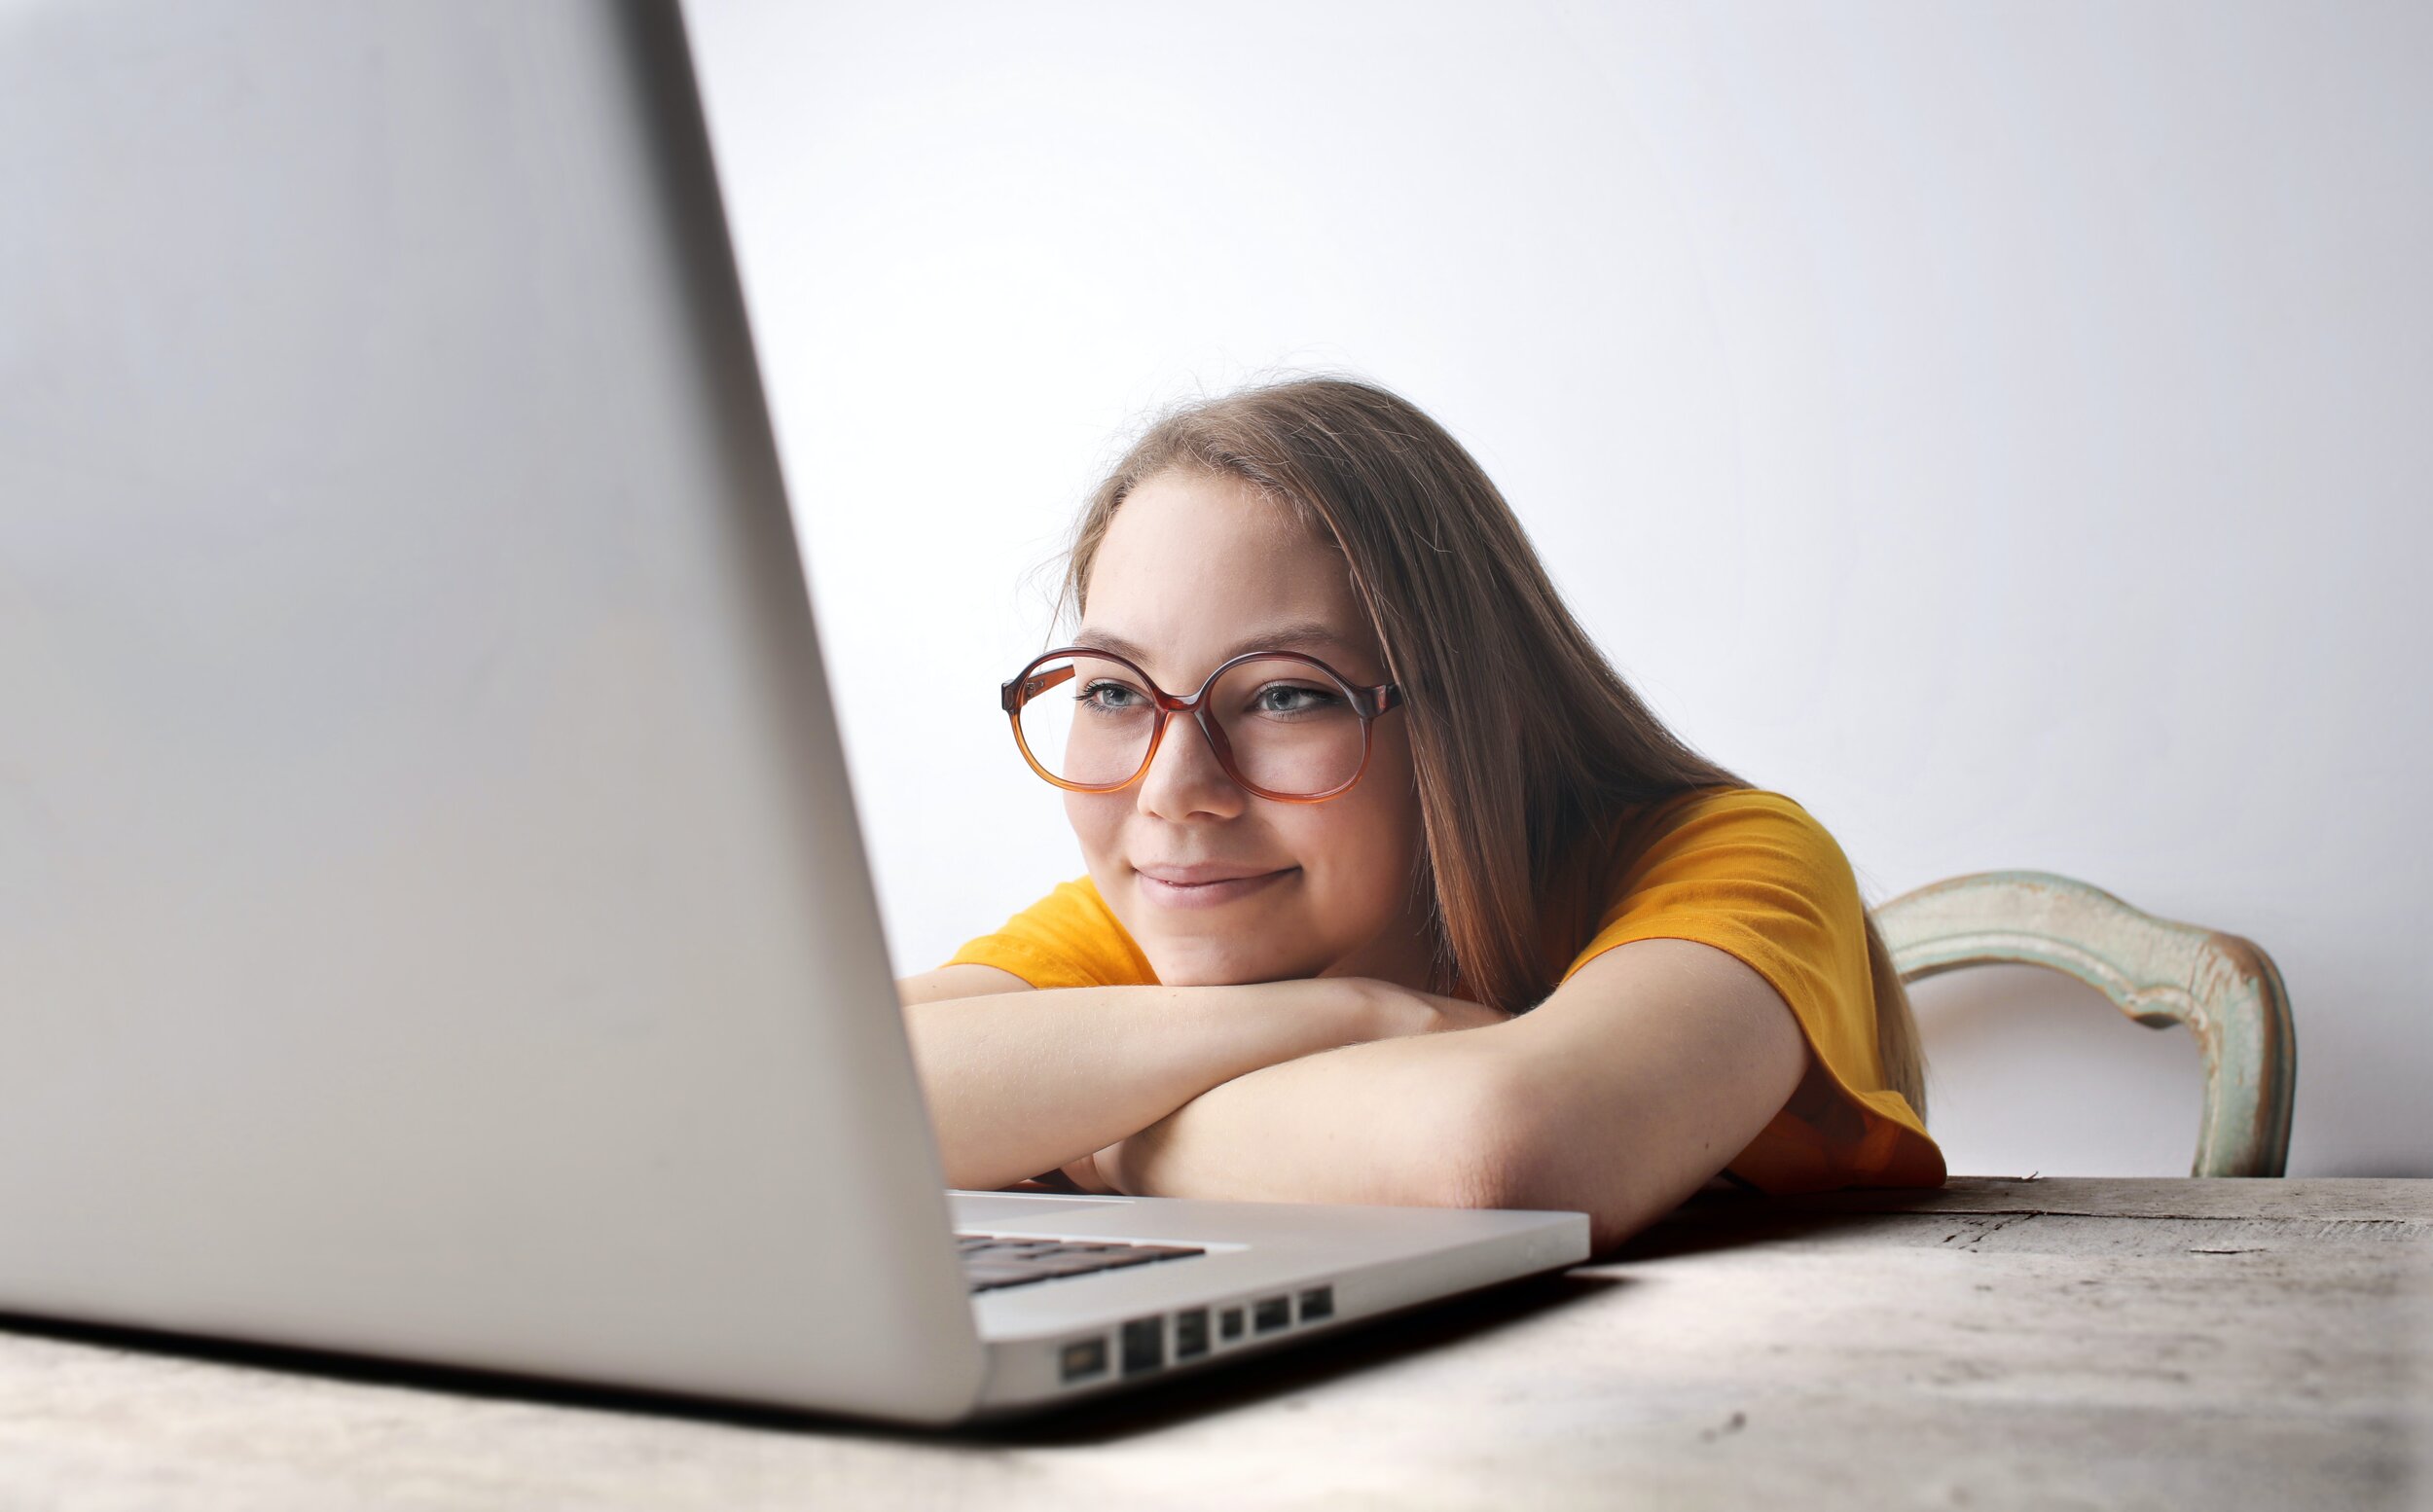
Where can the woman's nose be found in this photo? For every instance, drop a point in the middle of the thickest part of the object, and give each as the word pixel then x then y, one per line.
pixel 1185 776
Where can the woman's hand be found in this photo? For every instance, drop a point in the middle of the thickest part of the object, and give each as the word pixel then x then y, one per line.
pixel 1084 1172
pixel 1393 1010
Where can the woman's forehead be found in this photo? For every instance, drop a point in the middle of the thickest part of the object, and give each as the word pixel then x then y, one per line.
pixel 1200 567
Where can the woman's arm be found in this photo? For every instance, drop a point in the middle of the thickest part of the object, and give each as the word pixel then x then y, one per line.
pixel 1636 1081
pixel 1020 1082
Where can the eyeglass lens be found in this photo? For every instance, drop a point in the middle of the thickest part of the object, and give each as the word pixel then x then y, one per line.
pixel 1292 728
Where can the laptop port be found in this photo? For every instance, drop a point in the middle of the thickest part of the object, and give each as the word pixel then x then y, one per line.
pixel 1082 1360
pixel 1144 1345
pixel 1318 1303
pixel 1269 1313
pixel 1230 1323
pixel 1191 1334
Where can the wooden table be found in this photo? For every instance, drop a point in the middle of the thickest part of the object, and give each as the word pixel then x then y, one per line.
pixel 1997 1343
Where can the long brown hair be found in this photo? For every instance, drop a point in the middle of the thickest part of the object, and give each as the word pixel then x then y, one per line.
pixel 1530 748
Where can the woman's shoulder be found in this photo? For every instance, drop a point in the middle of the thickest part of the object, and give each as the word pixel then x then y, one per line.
pixel 1068 938
pixel 1078 903
pixel 1744 867
pixel 1723 799
pixel 1732 827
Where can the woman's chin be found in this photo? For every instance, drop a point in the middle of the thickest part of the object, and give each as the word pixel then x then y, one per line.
pixel 1187 967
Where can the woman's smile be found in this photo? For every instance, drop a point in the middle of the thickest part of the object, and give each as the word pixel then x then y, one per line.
pixel 1204 885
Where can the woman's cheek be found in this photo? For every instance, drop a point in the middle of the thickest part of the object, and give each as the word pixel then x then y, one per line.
pixel 1360 879
pixel 1098 824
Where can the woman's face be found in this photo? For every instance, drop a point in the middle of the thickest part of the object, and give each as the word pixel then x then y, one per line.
pixel 1194 569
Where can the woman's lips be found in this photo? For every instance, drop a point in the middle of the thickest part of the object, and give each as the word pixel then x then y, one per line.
pixel 1177 888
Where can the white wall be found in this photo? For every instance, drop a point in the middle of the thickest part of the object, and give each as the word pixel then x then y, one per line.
pixel 2000 427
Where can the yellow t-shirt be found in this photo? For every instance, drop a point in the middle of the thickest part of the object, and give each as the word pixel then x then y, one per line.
pixel 1744 870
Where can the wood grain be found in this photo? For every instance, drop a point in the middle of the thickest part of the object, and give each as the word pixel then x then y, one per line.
pixel 1993 1343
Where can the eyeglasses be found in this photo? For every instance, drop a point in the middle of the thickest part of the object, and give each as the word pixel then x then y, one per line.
pixel 1284 726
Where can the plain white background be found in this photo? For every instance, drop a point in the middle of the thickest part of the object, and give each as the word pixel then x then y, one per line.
pixel 2000 427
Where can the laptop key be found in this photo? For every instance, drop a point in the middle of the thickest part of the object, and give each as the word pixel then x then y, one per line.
pixel 1006 1273
pixel 1071 1264
pixel 994 1261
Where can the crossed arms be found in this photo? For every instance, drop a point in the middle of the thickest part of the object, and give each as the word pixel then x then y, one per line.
pixel 1621 1094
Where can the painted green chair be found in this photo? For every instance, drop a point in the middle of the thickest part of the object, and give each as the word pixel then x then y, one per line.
pixel 2159 972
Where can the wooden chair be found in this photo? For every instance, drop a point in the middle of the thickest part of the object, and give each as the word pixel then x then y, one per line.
pixel 2159 972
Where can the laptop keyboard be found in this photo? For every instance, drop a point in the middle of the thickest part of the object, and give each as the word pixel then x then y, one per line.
pixel 992 1261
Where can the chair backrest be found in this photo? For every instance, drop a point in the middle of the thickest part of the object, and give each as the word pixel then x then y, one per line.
pixel 2159 972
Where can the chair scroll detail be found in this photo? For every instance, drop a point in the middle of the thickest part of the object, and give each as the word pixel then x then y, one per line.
pixel 2156 971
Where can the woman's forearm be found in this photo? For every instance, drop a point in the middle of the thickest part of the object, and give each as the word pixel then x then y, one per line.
pixel 1646 1072
pixel 1020 1083
pixel 1424 1120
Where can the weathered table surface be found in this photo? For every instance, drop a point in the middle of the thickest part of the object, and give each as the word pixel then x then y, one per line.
pixel 1997 1343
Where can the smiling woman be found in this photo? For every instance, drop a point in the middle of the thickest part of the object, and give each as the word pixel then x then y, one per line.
pixel 1395 892
pixel 1216 883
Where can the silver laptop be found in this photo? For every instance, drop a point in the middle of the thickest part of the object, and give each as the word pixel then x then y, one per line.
pixel 432 919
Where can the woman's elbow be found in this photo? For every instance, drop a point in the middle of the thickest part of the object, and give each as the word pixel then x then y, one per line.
pixel 1512 1149
pixel 1490 1148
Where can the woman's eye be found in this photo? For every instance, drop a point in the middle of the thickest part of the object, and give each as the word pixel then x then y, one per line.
pixel 1112 697
pixel 1287 699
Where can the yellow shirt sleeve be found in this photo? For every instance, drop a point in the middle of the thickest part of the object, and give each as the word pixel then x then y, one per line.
pixel 1070 938
pixel 1752 873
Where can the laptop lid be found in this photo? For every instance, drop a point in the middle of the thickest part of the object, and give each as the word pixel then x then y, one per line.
pixel 432 916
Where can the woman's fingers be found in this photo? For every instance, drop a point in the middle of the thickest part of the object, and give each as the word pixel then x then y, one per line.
pixel 1406 1009
pixel 1083 1173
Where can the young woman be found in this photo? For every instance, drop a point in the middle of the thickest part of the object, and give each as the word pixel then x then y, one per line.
pixel 1395 892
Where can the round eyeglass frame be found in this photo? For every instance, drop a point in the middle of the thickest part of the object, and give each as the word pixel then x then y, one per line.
pixel 1370 702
